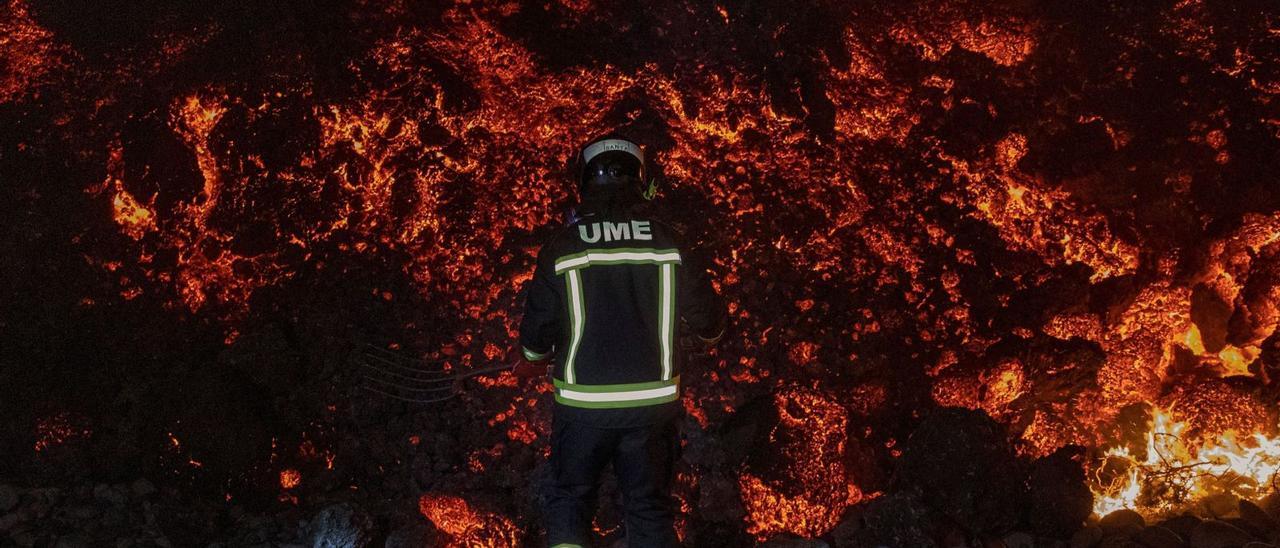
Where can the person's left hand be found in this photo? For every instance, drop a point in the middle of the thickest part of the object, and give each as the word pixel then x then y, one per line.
pixel 693 344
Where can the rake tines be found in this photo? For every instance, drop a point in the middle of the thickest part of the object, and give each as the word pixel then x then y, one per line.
pixel 398 377
pixel 412 380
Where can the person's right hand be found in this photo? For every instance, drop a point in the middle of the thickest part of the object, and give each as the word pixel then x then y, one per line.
pixel 523 368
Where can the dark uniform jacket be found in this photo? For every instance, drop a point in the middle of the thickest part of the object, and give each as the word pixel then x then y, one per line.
pixel 607 298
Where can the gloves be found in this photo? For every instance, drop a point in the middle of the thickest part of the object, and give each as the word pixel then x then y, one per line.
pixel 523 366
pixel 527 370
pixel 696 343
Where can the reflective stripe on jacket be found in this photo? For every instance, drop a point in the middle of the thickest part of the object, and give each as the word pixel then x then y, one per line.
pixel 607 297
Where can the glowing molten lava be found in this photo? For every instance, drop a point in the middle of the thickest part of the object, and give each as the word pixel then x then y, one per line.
pixel 1045 213
pixel 808 496
pixel 468 527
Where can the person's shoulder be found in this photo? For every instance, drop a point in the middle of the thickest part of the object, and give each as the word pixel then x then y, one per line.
pixel 556 239
pixel 560 238
pixel 660 224
pixel 667 232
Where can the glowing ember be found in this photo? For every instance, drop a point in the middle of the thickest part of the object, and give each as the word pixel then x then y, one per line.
pixel 133 216
pixel 56 430
pixel 290 478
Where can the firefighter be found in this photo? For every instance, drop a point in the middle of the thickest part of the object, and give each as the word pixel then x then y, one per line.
pixel 607 300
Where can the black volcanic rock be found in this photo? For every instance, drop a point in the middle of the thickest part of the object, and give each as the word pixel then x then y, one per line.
pixel 1212 533
pixel 901 518
pixel 340 526
pixel 1122 522
pixel 1060 501
pixel 962 464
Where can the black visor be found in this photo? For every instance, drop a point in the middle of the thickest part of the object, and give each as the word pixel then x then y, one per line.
pixel 611 167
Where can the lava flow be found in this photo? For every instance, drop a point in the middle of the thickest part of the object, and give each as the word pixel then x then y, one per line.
pixel 992 267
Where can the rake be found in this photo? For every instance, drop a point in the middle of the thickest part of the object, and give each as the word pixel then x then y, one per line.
pixel 413 380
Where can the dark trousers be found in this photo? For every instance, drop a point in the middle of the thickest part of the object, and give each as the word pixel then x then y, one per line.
pixel 643 459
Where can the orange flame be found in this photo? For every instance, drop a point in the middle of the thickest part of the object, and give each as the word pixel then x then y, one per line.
pixel 1176 472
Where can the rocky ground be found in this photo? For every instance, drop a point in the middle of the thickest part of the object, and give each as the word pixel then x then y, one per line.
pixel 956 484
pixel 126 515
pixel 1219 522
pixel 137 514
